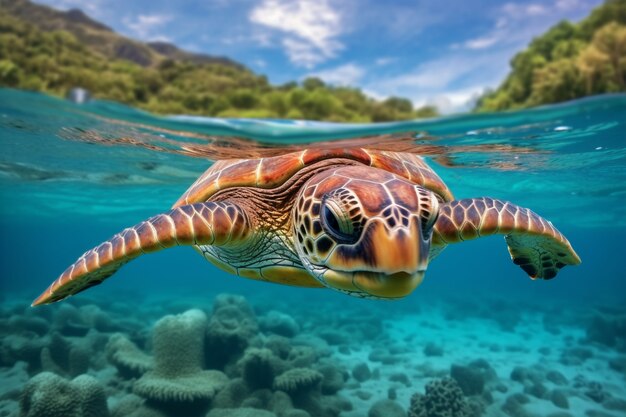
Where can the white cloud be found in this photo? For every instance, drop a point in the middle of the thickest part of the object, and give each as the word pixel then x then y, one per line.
pixel 348 74
pixel 523 10
pixel 384 61
pixel 147 26
pixel 481 43
pixel 310 28
pixel 453 101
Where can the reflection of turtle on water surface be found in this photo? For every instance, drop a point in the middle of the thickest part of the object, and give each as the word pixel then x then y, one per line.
pixel 360 221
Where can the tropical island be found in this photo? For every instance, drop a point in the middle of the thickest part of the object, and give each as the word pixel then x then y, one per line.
pixel 51 51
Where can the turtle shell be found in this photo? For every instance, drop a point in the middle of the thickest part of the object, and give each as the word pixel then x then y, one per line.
pixel 274 171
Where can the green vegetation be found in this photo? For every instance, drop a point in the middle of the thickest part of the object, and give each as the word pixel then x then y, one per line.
pixel 53 61
pixel 567 62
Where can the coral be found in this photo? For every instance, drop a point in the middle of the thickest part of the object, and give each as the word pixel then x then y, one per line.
pixel 133 406
pixel 91 396
pixel 333 379
pixel 297 380
pixel 259 367
pixel 230 329
pixel 442 398
pixel 386 408
pixel 302 356
pixel 240 412
pixel 232 395
pixel 129 360
pixel 12 380
pixel 49 395
pixel 178 343
pixel 279 323
pixel 24 346
pixel 64 357
pixel 280 403
pixel 280 345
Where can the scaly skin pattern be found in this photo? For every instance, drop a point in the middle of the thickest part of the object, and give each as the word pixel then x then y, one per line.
pixel 382 226
pixel 534 243
pixel 360 221
pixel 211 223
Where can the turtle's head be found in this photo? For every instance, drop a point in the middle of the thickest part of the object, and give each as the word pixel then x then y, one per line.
pixel 364 231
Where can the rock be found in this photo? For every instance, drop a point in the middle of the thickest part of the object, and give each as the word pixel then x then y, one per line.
pixel 432 349
pixel 618 364
pixel 334 336
pixel 361 372
pixel 471 380
pixel 575 355
pixel 514 405
pixel 364 395
pixel 607 328
pixel 618 404
pixel 556 378
pixel 537 390
pixel 401 378
pixel 559 399
pixel 386 408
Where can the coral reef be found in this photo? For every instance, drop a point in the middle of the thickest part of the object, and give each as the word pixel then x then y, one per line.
pixel 178 374
pixel 442 398
pixel 50 395
pixel 129 360
pixel 197 364
pixel 231 327
pixel 298 380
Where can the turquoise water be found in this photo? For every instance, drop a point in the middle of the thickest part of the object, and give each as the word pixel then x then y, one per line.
pixel 73 175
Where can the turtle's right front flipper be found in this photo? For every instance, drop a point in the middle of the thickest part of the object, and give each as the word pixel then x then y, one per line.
pixel 534 243
pixel 210 223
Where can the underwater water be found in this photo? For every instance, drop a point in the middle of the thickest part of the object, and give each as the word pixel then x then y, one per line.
pixel 172 335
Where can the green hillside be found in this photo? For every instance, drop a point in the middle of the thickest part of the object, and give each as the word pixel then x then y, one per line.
pixel 47 50
pixel 567 62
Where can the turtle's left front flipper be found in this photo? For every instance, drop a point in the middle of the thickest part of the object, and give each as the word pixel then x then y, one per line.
pixel 534 243
pixel 209 223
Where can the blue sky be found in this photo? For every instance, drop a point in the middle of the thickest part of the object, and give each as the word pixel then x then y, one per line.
pixel 433 52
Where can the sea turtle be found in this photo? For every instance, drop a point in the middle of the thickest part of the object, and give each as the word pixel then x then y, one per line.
pixel 361 221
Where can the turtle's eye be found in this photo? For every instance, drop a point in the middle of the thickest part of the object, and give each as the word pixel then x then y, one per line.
pixel 337 222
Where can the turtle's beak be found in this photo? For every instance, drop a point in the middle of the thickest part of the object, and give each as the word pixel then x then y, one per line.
pixel 387 262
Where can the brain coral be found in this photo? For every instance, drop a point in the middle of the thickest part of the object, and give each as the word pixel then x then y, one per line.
pixel 443 398
pixel 49 395
pixel 178 376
